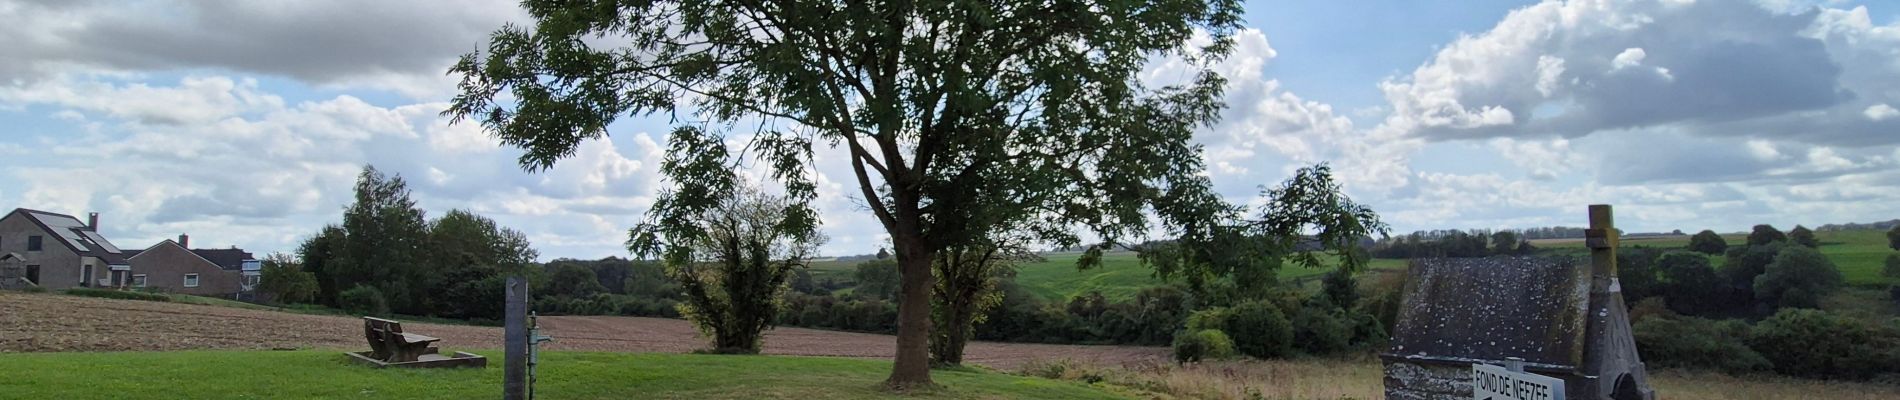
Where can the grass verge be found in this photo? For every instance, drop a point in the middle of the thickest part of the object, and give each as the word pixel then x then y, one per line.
pixel 563 375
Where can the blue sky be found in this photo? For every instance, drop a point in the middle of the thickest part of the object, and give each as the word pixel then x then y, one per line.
pixel 244 123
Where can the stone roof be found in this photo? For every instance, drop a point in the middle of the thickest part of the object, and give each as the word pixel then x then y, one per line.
pixel 1487 309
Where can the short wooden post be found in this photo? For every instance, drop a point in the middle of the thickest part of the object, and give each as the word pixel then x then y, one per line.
pixel 515 326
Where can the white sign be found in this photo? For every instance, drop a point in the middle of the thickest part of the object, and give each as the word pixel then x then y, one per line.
pixel 1491 382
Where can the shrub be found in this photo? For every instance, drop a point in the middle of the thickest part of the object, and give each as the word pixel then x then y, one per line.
pixel 1212 318
pixel 34 289
pixel 1698 343
pixel 1816 344
pixel 1689 283
pixel 1801 235
pixel 1200 345
pixel 363 300
pixel 1765 234
pixel 1799 277
pixel 1892 269
pixel 1321 330
pixel 117 294
pixel 1260 330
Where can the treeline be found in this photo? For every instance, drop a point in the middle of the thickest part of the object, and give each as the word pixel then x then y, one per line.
pixel 1454 243
pixel 1689 313
pixel 387 257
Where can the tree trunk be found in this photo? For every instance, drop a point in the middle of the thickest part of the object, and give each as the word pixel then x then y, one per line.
pixel 952 337
pixel 911 369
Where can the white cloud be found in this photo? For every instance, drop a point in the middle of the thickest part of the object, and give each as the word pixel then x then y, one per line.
pixel 1881 112
pixel 1630 57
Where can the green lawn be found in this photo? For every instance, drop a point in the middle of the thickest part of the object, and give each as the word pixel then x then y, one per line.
pixel 1859 254
pixel 563 375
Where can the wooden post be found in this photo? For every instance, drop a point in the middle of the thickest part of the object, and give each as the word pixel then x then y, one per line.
pixel 514 371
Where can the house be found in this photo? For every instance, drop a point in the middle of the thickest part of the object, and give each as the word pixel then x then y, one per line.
pixel 175 267
pixel 59 252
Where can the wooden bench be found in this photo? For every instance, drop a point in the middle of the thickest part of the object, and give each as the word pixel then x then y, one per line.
pixel 389 343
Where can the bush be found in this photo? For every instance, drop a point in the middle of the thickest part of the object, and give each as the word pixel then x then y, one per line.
pixel 1816 344
pixel 1799 277
pixel 1697 343
pixel 1707 242
pixel 1260 330
pixel 1212 318
pixel 1689 283
pixel 34 289
pixel 1321 330
pixel 1207 344
pixel 363 300
pixel 1892 269
pixel 117 294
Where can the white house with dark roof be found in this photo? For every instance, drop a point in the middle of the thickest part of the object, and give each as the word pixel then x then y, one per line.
pixel 61 252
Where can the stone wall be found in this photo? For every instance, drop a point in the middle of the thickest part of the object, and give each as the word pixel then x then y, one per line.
pixel 1409 381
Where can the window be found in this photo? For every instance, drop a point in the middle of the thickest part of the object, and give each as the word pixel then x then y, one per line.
pixel 85 276
pixel 33 274
pixel 191 280
pixel 32 243
pixel 138 280
pixel 250 280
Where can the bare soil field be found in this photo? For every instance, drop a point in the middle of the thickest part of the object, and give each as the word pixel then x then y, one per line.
pixel 53 323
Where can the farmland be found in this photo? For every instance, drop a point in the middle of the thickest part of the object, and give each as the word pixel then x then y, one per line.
pixel 1857 253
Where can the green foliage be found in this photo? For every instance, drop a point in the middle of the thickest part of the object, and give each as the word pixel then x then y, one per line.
pixel 1802 236
pixel 1636 272
pixel 1321 329
pixel 732 259
pixel 452 266
pixel 1708 242
pixel 1206 344
pixel 936 139
pixel 1746 263
pixel 1309 208
pixel 1260 330
pixel 117 294
pixel 572 281
pixel 877 279
pixel 965 292
pixel 284 278
pixel 1764 234
pixel 1893 237
pixel 1799 277
pixel 1340 289
pixel 1689 342
pixel 1690 282
pixel 364 300
pixel 1817 344
pixel 1212 318
pixel 1892 266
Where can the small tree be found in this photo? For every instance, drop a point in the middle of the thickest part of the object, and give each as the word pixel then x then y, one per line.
pixel 1744 264
pixel 1799 277
pixel 1802 236
pixel 283 277
pixel 1892 270
pixel 1764 234
pixel 1707 242
pixel 732 260
pixel 1893 237
pixel 965 291
pixel 1504 242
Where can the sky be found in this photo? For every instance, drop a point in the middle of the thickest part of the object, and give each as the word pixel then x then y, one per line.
pixel 245 123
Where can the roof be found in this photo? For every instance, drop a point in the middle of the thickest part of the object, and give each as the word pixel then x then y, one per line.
pixel 229 259
pixel 1472 309
pixel 75 235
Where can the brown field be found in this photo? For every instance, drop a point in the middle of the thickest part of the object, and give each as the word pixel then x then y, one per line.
pixel 51 323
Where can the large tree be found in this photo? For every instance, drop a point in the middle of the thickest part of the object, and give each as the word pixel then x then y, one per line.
pixel 1764 234
pixel 1801 235
pixel 955 116
pixel 470 258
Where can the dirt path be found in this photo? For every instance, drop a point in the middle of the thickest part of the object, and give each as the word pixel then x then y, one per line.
pixel 51 323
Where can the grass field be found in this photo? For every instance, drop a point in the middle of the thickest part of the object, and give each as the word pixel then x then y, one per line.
pixel 1859 254
pixel 562 375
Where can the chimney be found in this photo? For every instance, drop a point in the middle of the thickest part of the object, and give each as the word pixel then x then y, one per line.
pixel 92 222
pixel 184 241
